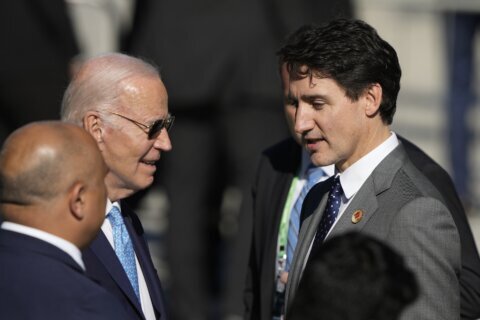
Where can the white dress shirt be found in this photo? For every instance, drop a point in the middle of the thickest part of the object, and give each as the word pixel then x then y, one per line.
pixel 145 300
pixel 62 244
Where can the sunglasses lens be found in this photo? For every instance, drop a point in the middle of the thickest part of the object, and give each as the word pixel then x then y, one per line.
pixel 169 122
pixel 155 129
pixel 159 125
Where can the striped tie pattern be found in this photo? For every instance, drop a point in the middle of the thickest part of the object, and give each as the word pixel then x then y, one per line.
pixel 124 248
pixel 312 176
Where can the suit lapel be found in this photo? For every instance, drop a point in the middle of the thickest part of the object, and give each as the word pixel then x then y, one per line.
pixel 366 198
pixel 106 255
pixel 317 197
pixel 144 260
pixel 306 234
pixel 365 201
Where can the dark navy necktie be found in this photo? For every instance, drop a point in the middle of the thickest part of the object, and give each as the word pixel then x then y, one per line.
pixel 330 214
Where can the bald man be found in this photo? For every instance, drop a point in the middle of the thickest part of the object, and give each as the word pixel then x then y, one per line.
pixel 122 102
pixel 52 199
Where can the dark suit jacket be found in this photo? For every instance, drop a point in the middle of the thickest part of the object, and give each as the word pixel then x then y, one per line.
pixel 37 45
pixel 278 165
pixel 40 281
pixel 104 267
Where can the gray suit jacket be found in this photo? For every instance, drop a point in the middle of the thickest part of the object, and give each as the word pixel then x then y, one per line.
pixel 401 207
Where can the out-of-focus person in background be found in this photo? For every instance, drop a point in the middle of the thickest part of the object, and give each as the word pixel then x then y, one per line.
pixel 354 277
pixel 37 47
pixel 52 199
pixel 462 26
pixel 215 57
pixel 47 40
pixel 122 102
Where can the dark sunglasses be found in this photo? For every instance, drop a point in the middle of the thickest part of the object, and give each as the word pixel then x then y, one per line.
pixel 154 129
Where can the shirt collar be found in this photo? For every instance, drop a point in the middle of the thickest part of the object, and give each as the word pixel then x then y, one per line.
pixel 58 242
pixel 355 176
pixel 110 205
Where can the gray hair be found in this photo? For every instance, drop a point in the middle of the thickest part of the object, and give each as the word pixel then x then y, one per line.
pixel 99 84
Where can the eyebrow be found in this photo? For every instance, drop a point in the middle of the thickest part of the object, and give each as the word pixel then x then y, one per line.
pixel 311 97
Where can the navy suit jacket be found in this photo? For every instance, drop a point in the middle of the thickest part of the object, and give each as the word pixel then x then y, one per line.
pixel 40 281
pixel 104 267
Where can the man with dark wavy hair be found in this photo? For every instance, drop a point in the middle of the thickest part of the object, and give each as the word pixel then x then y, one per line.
pixel 343 80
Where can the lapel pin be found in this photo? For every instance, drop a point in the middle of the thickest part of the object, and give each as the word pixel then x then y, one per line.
pixel 357 216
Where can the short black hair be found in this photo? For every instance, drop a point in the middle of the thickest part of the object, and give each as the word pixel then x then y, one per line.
pixel 349 52
pixel 354 276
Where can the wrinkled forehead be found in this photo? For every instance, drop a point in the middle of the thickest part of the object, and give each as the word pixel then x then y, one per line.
pixel 144 96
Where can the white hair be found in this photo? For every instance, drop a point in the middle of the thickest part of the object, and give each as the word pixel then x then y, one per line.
pixel 99 84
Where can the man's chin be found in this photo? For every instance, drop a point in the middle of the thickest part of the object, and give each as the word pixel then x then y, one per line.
pixel 140 184
pixel 148 181
pixel 320 161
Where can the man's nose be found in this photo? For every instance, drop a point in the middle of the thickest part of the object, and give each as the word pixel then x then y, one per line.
pixel 163 141
pixel 303 119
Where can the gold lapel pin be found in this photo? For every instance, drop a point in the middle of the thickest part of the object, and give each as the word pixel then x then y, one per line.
pixel 357 216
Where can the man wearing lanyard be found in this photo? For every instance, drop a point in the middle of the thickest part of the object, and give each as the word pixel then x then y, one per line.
pixel 307 177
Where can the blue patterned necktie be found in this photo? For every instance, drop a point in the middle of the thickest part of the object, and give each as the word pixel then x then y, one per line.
pixel 312 175
pixel 330 214
pixel 124 248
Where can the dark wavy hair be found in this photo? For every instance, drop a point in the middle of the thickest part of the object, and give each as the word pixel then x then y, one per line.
pixel 349 52
pixel 354 277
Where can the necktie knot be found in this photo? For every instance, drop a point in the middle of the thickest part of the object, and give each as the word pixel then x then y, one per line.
pixel 330 214
pixel 337 191
pixel 115 217
pixel 124 248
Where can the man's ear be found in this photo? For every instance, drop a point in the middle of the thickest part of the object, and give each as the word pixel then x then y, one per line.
pixel 373 96
pixel 77 200
pixel 93 125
